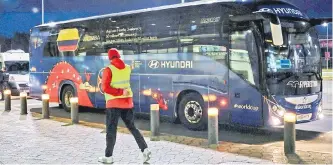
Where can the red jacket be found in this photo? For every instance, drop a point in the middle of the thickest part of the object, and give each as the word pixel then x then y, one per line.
pixel 124 103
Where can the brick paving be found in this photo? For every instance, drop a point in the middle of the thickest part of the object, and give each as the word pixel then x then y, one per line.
pixel 24 139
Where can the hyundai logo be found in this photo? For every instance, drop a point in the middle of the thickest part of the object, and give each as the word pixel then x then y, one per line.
pixel 293 84
pixel 154 64
pixel 266 10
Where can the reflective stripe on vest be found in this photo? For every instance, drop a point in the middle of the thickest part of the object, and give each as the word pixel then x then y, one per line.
pixel 120 79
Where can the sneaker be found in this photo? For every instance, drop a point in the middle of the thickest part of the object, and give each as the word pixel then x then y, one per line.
pixel 106 160
pixel 146 155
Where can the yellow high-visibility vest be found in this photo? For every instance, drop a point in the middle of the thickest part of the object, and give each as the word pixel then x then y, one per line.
pixel 120 79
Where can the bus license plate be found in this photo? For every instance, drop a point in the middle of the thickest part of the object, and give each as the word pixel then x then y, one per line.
pixel 304 117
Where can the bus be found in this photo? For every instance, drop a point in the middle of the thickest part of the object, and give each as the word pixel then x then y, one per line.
pixel 16 64
pixel 253 61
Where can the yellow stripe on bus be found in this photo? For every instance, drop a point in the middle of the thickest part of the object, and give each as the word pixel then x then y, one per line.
pixel 68 34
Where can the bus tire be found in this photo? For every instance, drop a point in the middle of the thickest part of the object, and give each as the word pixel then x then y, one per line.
pixel 66 94
pixel 192 113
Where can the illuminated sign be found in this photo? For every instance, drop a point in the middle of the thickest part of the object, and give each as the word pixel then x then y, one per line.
pixel 155 64
pixel 283 64
pixel 323 44
pixel 303 84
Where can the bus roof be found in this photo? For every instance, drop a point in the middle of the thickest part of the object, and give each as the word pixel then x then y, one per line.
pixel 155 9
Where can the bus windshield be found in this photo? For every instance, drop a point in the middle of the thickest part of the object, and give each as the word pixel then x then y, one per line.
pixel 17 67
pixel 294 68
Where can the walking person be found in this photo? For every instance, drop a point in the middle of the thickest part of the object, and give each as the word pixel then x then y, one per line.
pixel 119 103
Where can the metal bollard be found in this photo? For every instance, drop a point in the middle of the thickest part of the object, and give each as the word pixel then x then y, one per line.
pixel 213 128
pixel 74 110
pixel 7 93
pixel 289 133
pixel 23 98
pixel 45 108
pixel 154 121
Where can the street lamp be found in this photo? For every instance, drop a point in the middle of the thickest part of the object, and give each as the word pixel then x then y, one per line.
pixel 35 10
pixel 325 24
pixel 42 11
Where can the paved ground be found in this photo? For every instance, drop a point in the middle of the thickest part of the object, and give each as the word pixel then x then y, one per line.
pixel 25 140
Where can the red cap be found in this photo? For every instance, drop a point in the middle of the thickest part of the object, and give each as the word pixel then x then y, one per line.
pixel 113 52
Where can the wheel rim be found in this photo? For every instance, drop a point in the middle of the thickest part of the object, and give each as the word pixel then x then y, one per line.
pixel 68 95
pixel 193 112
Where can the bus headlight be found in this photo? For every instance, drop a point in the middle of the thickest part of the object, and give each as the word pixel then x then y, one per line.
pixel 275 121
pixel 278 110
pixel 319 113
pixel 319 108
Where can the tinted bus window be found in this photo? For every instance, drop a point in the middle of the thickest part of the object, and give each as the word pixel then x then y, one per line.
pixel 160 32
pixel 200 31
pixel 121 32
pixel 90 38
pixel 51 48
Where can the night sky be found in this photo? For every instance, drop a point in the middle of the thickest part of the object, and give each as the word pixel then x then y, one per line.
pixel 21 15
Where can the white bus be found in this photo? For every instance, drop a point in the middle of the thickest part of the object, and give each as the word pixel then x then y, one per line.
pixel 16 64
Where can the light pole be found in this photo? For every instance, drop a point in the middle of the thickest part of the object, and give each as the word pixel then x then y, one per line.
pixel 326 25
pixel 42 11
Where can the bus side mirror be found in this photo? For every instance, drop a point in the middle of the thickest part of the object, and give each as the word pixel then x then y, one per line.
pixel 277 36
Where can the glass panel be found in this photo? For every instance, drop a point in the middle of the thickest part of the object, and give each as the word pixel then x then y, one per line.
pixel 200 33
pixel 294 68
pixel 15 67
pixel 244 56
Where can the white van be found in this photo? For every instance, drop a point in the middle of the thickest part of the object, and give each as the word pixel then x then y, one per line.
pixel 16 64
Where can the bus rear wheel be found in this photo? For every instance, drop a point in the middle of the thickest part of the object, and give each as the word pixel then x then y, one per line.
pixel 192 113
pixel 66 94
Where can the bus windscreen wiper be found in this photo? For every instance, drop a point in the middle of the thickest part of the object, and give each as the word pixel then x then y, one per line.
pixel 315 73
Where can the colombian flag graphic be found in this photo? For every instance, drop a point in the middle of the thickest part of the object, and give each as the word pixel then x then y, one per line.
pixel 68 40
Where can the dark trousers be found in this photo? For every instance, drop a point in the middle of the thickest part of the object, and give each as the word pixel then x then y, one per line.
pixel 112 117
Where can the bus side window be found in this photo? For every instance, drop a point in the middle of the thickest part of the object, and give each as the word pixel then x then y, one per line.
pixel 51 47
pixel 160 32
pixel 200 33
pixel 90 39
pixel 122 33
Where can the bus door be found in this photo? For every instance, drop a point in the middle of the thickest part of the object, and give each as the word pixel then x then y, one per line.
pixel 245 98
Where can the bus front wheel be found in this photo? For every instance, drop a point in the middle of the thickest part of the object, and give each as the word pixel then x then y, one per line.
pixel 66 94
pixel 192 113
